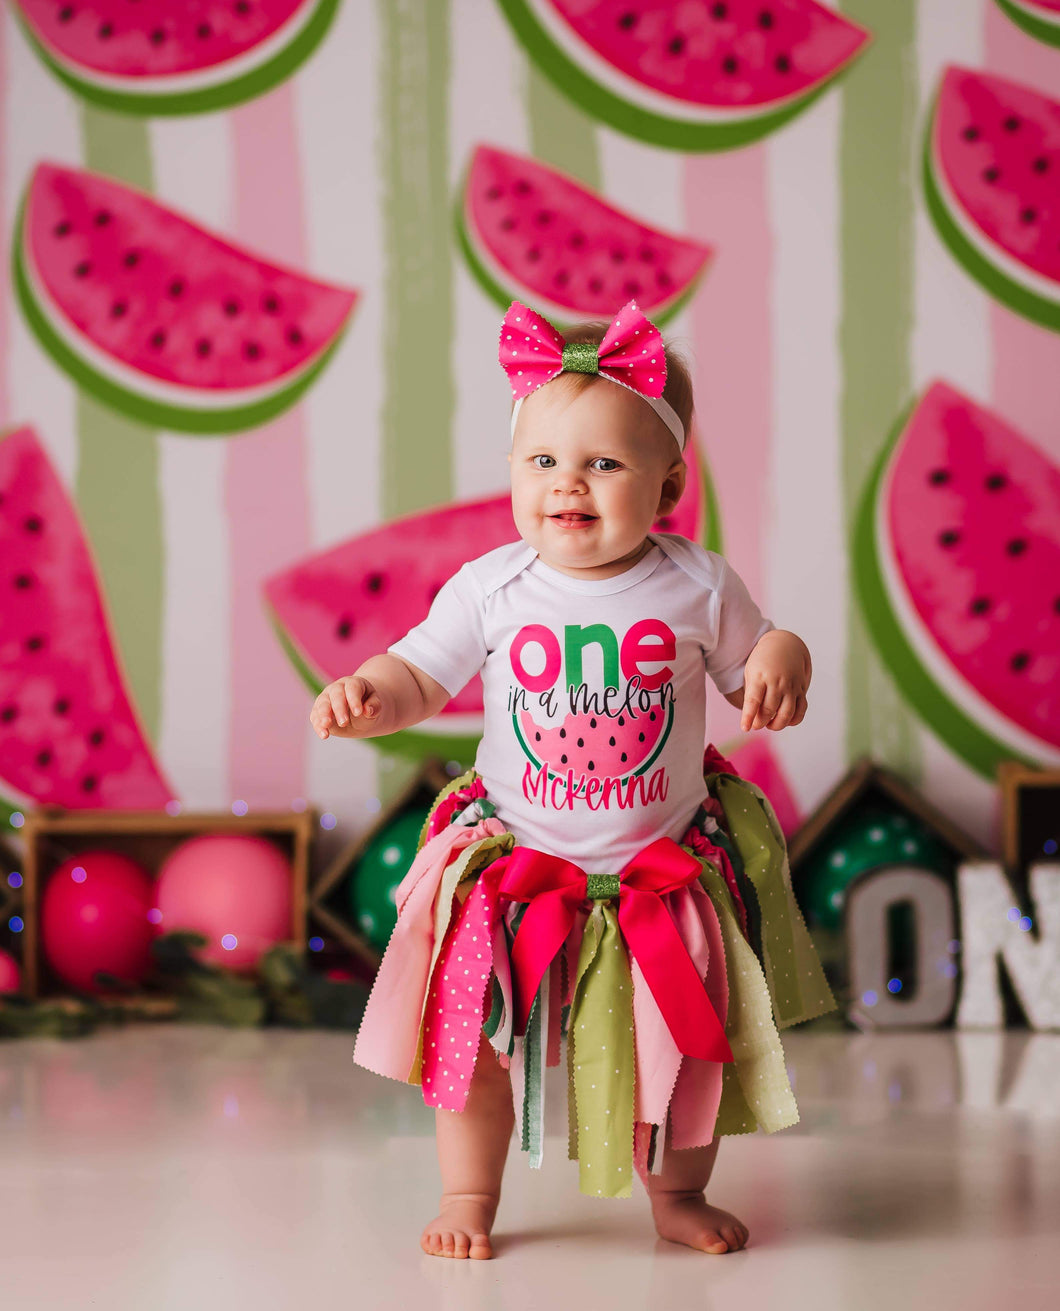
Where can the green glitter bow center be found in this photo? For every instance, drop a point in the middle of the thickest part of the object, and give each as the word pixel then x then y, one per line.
pixel 581 357
pixel 602 887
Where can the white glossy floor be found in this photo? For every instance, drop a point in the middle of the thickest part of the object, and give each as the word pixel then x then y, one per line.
pixel 188 1168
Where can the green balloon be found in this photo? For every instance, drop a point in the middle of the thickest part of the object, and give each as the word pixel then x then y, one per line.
pixel 870 837
pixel 374 879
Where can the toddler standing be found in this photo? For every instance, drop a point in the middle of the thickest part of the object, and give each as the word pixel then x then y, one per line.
pixel 594 878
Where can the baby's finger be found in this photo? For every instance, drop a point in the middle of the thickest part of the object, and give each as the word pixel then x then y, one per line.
pixel 372 704
pixel 800 711
pixel 355 694
pixel 337 697
pixel 752 703
pixel 784 713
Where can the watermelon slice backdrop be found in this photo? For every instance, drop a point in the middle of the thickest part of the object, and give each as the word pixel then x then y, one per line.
pixel 1041 18
pixel 69 734
pixel 339 606
pixel 160 318
pixel 957 570
pixel 695 76
pixel 531 233
pixel 990 170
pixel 173 56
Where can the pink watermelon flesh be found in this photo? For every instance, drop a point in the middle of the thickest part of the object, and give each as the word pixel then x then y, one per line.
pixel 116 38
pixel 68 733
pixel 726 56
pixel 596 746
pixel 973 513
pixel 998 146
pixel 161 295
pixel 564 243
pixel 351 601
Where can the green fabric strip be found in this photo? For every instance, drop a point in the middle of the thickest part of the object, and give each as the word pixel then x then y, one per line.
pixel 602 1033
pixel 793 971
pixel 533 1077
pixel 117 489
pixel 877 204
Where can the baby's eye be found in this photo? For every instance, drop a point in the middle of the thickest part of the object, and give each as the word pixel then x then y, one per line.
pixel 543 461
pixel 605 464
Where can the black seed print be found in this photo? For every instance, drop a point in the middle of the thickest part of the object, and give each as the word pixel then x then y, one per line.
pixel 537 737
pixel 1020 661
pixel 62 229
pixel 949 537
pixel 563 732
pixel 729 64
pixel 44 759
pixel 294 336
pixel 1011 124
pixel 83 269
pixel 231 308
pixel 132 258
pixel 1016 547
pixel 782 64
pixel 676 45
pixel 971 133
pixel 991 174
pixel 157 339
pixel 591 765
pixel 621 722
pixel 563 760
pixel 62 706
pixel 33 524
pixel 939 476
pixel 640 737
pixel 980 605
pixel 34 643
pixel 95 738
pixel 88 784
pixel 203 347
pixel 204 30
pixel 344 628
pixel 627 20
pixel 251 350
pixel 610 741
pixel 592 723
pixel 271 304
pixel 118 309
pixel 581 742
pixel 375 582
pixel 23 581
pixel 1041 164
pixel 624 757
pixel 176 288
pixel 102 218
pixel 652 716
pixel 994 482
pixel 8 714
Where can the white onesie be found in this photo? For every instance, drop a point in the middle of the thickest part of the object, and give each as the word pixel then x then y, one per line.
pixel 594 690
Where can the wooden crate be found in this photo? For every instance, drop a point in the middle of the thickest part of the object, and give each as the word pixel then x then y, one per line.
pixel 325 903
pixel 52 836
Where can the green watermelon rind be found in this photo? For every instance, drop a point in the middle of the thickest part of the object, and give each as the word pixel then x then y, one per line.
pixel 410 743
pixel 145 409
pixel 1043 29
pixel 636 121
pixel 1019 298
pixel 221 95
pixel 980 749
pixel 633 773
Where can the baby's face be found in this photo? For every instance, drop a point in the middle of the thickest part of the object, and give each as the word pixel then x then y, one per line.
pixel 590 473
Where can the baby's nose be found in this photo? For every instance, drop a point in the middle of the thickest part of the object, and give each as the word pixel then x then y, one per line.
pixel 569 480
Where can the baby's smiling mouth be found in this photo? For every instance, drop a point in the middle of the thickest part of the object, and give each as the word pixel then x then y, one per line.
pixel 573 518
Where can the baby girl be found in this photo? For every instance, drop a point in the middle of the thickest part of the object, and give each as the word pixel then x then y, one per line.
pixel 604 877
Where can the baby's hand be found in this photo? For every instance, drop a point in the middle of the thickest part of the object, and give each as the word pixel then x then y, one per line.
pixel 351 703
pixel 776 676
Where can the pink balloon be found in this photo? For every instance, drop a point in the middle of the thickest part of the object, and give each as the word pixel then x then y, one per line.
pixel 94 916
pixel 10 973
pixel 234 890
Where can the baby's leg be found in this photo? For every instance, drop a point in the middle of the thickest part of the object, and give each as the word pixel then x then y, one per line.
pixel 681 1212
pixel 472 1149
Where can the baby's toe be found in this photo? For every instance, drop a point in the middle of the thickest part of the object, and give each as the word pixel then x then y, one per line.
pixel 480 1247
pixel 461 1245
pixel 714 1241
pixel 447 1243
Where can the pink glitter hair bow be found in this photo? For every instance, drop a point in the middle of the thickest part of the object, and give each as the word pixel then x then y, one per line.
pixel 532 352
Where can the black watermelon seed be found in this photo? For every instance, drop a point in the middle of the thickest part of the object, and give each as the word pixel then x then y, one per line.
pixel 83 269
pixel 231 308
pixel 242 7
pixel 627 20
pixel 533 254
pixel 581 742
pixel 374 582
pixel 991 174
pixel 1020 661
pixel 995 481
pixel 676 45
pixel 949 537
pixel 62 706
pixel 980 605
pixel 591 765
pixel 522 187
pixel 1041 164
pixel 344 628
pixel 62 229
pixel 730 64
pixel 157 339
pixel 621 721
pixel 544 217
pixel 251 350
pixel 562 278
pixel 95 738
pixel 44 758
pixel 117 310
pixel 939 476
pixel 106 30
pixel 719 10
pixel 592 723
pixel 66 13
pixel 624 757
pixel 652 716
pixel 88 783
pixel 1028 215
pixel 23 581
pixel 595 285
pixel 507 223
pixel 1016 547
pixel 646 254
pixel 563 760
pixel 102 218
pixel 158 36
pixel 617 254
pixel 782 64
pixel 631 287
pixel 971 133
pixel 8 714
pixel 34 643
pixel 640 737
pixel 33 524
pixel 577 240
pixel 537 737
pixel 563 732
pixel 1011 123
pixel 765 19
pixel 203 347
pixel 132 258
pixel 204 30
pixel 663 278
pixel 294 336
pixel 176 287
pixel 494 192
pixel 271 304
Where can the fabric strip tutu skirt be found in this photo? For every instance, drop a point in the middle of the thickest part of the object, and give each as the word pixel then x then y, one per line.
pixel 667 981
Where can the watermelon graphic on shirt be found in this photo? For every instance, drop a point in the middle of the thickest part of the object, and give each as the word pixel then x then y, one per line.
pixel 1041 18
pixel 992 183
pixel 69 734
pixel 702 75
pixel 339 606
pixel 173 56
pixel 531 233
pixel 957 566
pixel 160 318
pixel 595 746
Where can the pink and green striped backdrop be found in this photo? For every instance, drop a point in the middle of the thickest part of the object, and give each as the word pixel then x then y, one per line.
pixel 831 302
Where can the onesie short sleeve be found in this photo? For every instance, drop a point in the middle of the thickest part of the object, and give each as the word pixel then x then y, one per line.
pixel 738 624
pixel 450 644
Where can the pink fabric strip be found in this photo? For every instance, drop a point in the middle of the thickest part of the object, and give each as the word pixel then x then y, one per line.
pixel 390 1030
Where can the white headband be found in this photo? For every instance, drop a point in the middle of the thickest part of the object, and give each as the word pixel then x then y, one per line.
pixel 662 408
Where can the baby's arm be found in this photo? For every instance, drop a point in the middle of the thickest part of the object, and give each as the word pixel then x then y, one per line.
pixel 776 678
pixel 385 695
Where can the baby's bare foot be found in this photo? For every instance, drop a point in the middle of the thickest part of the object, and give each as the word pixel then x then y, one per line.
pixel 462 1228
pixel 688 1218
